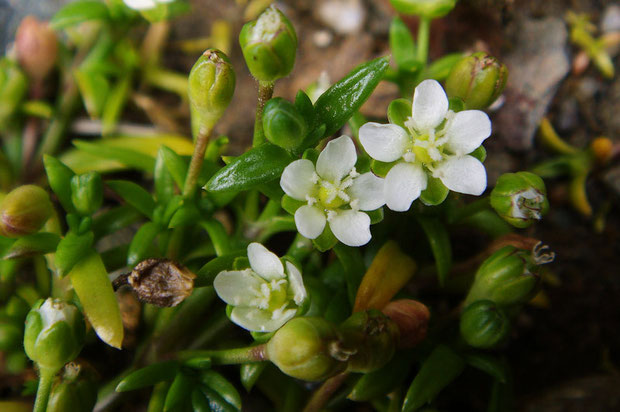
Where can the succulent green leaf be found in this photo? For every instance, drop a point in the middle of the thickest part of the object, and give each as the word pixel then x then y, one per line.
pixel 135 195
pixel 222 386
pixel 438 370
pixel 209 271
pixel 439 240
pixel 399 111
pixel 344 98
pixel 142 243
pixel 148 376
pixel 258 165
pixel 71 249
pixel 250 372
pixel 59 177
pixel 31 245
pixel 128 157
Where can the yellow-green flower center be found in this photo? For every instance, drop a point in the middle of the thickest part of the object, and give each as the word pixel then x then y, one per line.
pixel 328 196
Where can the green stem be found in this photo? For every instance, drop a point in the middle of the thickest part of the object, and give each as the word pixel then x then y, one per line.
pixel 256 353
pixel 424 30
pixel 265 91
pixel 189 188
pixel 46 378
pixel 463 212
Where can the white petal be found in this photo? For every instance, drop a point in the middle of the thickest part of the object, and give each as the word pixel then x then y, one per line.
pixel 384 142
pixel 310 221
pixel 430 105
pixel 296 180
pixel 266 264
pixel 140 4
pixel 351 228
pixel 467 130
pixel 464 174
pixel 260 320
pixel 337 159
pixel 296 283
pixel 237 287
pixel 403 184
pixel 367 189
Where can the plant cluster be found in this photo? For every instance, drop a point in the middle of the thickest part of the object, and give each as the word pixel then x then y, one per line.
pixel 294 260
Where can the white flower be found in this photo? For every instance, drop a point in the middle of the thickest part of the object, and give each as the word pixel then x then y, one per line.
pixel 144 4
pixel 335 193
pixel 264 297
pixel 437 142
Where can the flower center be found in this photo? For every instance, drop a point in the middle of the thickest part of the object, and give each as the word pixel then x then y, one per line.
pixel 332 195
pixel 427 147
pixel 272 295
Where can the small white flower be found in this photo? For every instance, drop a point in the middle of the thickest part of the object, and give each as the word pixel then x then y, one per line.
pixel 335 193
pixel 264 297
pixel 437 142
pixel 144 4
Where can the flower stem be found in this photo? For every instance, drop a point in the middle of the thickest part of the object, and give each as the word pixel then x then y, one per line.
pixel 46 377
pixel 549 137
pixel 256 353
pixel 463 212
pixel 189 188
pixel 424 30
pixel 321 396
pixel 265 91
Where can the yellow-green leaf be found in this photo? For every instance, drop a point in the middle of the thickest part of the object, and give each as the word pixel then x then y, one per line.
pixel 90 281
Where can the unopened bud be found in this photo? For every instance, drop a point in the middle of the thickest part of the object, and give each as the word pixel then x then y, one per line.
pixel 37 47
pixel 509 276
pixel 283 124
pixel 431 9
pixel 87 192
pixel 75 392
pixel 484 325
pixel 269 45
pixel 161 282
pixel 411 317
pixel 54 333
pixel 303 348
pixel 24 211
pixel 478 80
pixel 211 86
pixel 520 198
pixel 371 337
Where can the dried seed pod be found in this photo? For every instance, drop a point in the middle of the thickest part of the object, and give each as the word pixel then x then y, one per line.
pixel 161 282
pixel 412 319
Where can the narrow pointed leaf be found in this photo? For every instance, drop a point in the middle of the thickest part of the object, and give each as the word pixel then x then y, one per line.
pixel 439 239
pixel 35 244
pixel 135 195
pixel 148 376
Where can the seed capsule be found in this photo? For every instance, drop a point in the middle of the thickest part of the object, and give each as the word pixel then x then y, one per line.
pixel 161 282
pixel 24 211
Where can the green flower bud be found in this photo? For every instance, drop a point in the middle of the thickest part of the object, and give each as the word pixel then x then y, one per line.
pixel 478 80
pixel 371 338
pixel 303 348
pixel 54 333
pixel 269 44
pixel 431 9
pixel 484 325
pixel 520 198
pixel 24 211
pixel 76 391
pixel 87 192
pixel 13 89
pixel 37 47
pixel 509 276
pixel 283 124
pixel 211 86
